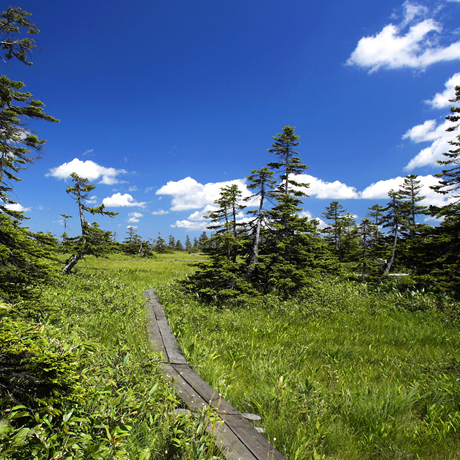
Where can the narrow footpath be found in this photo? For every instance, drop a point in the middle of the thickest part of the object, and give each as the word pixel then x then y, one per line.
pixel 235 436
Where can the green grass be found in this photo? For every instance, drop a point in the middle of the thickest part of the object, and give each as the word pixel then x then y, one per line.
pixel 346 373
pixel 121 406
pixel 342 372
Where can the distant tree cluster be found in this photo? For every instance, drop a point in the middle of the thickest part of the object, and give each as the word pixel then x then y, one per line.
pixel 276 249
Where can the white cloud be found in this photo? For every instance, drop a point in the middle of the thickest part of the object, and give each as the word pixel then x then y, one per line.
pixel 190 194
pixel 134 216
pixel 331 190
pixel 442 100
pixel 133 188
pixel 321 223
pixel 160 212
pixel 118 200
pixel 17 207
pixel 87 169
pixel 395 47
pixel 430 131
pixel 379 190
pixel 189 225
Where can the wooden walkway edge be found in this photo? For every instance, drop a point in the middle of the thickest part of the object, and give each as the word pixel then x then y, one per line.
pixel 236 437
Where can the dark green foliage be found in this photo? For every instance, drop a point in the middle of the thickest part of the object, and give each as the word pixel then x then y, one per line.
pixel 279 251
pixel 93 240
pixel 26 259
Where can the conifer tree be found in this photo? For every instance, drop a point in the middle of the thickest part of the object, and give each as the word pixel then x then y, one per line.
pixel 445 261
pixel 263 181
pixel 93 240
pixel 23 254
pixel 410 194
pixel 393 219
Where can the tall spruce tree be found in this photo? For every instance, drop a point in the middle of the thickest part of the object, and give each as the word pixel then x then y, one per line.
pixel 263 181
pixel 93 240
pixel 445 261
pixel 23 254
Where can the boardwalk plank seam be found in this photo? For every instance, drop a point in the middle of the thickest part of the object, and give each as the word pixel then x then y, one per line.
pixel 236 437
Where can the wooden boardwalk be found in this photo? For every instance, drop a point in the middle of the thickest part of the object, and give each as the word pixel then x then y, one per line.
pixel 236 437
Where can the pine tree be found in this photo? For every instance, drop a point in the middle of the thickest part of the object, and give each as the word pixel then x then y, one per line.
pixel 334 213
pixel 171 242
pixel 410 194
pixel 394 220
pixel 93 240
pixel 24 255
pixel 264 182
pixel 133 243
pixel 445 260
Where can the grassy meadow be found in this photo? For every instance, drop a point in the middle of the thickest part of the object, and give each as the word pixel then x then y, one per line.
pixel 86 340
pixel 341 372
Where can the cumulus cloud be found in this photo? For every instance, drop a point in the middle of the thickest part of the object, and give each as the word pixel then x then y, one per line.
pixel 134 216
pixel 413 43
pixel 118 200
pixel 431 131
pixel 190 194
pixel 17 207
pixel 87 169
pixel 329 190
pixel 379 190
pixel 190 225
pixel 442 100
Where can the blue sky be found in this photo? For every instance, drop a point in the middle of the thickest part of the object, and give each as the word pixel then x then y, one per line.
pixel 163 103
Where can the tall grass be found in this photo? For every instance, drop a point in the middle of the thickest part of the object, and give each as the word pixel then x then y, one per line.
pixel 124 409
pixel 344 373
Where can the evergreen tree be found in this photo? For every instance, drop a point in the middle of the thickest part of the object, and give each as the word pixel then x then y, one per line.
pixel 263 181
pixel 188 244
pixel 394 220
pixel 93 240
pixel 367 234
pixel 23 254
pixel 334 213
pixel 171 243
pixel 133 243
pixel 161 245
pixel 410 194
pixel 291 255
pixel 179 246
pixel 65 235
pixel 203 242
pixel 445 259
pixel 225 221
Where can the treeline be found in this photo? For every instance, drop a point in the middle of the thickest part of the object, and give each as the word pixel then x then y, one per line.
pixel 277 249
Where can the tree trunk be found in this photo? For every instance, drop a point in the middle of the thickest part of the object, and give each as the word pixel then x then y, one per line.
pixel 390 262
pixel 73 261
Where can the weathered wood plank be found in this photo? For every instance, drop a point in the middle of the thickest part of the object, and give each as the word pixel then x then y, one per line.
pixel 229 443
pixel 251 438
pixel 171 347
pixel 153 331
pixel 206 392
pixel 190 397
pixel 237 438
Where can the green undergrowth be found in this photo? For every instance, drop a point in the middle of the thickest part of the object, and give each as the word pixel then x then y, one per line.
pixel 78 379
pixel 346 372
